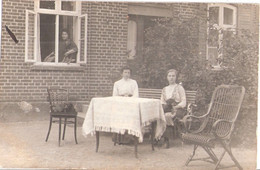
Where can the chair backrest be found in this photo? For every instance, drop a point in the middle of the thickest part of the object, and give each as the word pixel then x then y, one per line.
pixel 156 94
pixel 225 104
pixel 57 96
pixel 150 93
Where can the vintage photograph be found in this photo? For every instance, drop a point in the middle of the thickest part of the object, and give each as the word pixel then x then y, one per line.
pixel 128 85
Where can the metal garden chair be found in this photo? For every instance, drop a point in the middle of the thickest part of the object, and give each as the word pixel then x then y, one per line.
pixel 216 126
pixel 61 109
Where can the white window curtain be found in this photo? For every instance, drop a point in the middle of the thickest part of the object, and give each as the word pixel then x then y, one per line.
pixel 131 39
pixel 38 39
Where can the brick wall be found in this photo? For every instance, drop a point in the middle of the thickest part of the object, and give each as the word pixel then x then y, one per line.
pixel 248 17
pixel 107 40
pixel 14 75
pixel 107 33
pixel 186 10
pixel 107 50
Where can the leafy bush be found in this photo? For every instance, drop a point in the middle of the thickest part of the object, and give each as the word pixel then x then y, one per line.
pixel 169 44
pixel 173 43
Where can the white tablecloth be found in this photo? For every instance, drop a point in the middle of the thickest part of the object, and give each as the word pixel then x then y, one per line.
pixel 118 114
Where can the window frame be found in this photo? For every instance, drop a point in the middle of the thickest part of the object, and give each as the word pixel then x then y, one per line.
pixel 57 12
pixel 220 24
pixel 27 12
pixel 221 15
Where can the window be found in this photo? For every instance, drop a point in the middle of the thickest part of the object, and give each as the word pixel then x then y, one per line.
pixel 56 33
pixel 221 17
pixel 137 24
pixel 222 14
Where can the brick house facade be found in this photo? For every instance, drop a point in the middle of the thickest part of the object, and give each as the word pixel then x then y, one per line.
pixel 107 36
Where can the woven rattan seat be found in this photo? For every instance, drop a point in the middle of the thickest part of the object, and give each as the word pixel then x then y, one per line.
pixel 207 140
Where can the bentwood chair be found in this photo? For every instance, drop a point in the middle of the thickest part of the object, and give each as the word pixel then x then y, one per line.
pixel 216 126
pixel 61 111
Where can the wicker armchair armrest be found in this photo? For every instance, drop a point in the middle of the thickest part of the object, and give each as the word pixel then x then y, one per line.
pixel 188 120
pixel 222 128
pixel 190 108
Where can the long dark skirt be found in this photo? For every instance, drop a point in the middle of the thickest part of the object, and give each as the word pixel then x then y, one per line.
pixel 172 120
pixel 122 139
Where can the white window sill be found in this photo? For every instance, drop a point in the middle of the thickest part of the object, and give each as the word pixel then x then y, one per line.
pixel 58 67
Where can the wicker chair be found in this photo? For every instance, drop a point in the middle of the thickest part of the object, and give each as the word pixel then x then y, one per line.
pixel 216 126
pixel 58 99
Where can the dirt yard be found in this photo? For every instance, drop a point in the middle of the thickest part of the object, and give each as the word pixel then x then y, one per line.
pixel 23 145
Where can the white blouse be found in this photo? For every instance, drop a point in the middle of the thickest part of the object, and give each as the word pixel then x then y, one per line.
pixel 125 87
pixel 175 92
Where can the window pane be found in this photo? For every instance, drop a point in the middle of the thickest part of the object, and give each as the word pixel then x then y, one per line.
pixel 213 15
pixel 31 38
pixel 228 16
pixel 67 48
pixel 213 55
pixel 82 39
pixel 213 37
pixel 68 6
pixel 131 39
pixel 47 4
pixel 47 37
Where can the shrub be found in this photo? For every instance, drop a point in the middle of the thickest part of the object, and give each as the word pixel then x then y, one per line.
pixel 172 43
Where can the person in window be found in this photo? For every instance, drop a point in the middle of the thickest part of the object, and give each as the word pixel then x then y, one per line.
pixel 126 87
pixel 173 100
pixel 67 50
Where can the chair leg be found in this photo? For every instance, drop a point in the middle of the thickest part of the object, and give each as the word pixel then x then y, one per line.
pixel 136 143
pixel 114 138
pixel 64 129
pixel 234 160
pixel 174 130
pixel 178 128
pixel 97 140
pixel 192 155
pixel 153 134
pixel 59 130
pixel 49 129
pixel 227 148
pixel 75 130
pixel 211 154
pixel 221 157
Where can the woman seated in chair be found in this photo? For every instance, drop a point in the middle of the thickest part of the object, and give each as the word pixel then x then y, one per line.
pixel 125 87
pixel 173 99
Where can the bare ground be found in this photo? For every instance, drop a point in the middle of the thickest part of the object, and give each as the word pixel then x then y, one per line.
pixel 23 145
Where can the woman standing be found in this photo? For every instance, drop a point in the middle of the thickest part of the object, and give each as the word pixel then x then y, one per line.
pixel 173 99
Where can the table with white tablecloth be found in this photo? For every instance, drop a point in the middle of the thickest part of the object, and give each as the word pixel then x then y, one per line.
pixel 124 114
pixel 118 114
